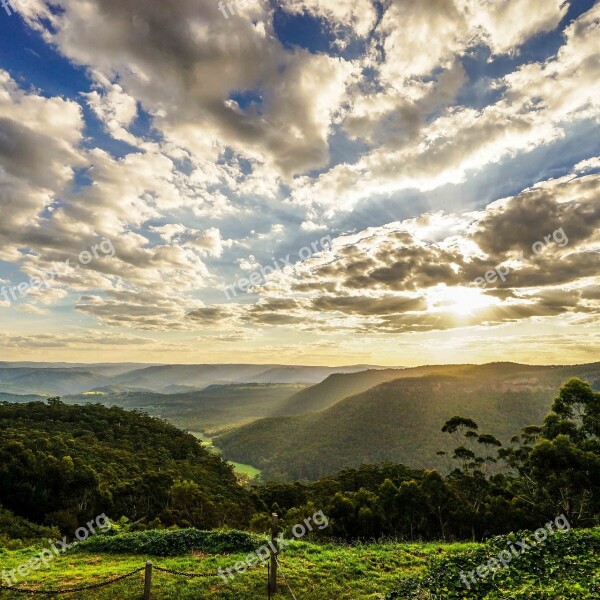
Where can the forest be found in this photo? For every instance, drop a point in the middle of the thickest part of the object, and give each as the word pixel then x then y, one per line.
pixel 61 465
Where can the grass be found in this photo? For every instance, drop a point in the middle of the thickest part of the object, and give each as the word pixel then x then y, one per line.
pixel 313 571
pixel 240 468
pixel 249 470
pixel 564 569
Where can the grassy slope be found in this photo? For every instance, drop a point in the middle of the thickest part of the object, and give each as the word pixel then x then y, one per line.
pixel 400 420
pixel 314 572
pixel 340 572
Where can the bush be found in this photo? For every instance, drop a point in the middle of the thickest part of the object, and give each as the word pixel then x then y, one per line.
pixel 16 531
pixel 561 567
pixel 174 543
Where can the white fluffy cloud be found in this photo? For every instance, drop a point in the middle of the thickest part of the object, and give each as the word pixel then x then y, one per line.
pixel 538 102
pixel 185 64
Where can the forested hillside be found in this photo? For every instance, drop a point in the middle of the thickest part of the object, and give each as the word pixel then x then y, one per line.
pixel 208 410
pixel 61 465
pixel 400 420
pixel 551 468
pixel 333 389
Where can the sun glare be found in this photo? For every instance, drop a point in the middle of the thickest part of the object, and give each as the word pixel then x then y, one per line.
pixel 463 301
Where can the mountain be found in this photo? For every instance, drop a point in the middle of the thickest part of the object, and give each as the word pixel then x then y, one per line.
pixel 335 388
pixel 339 386
pixel 57 379
pixel 48 381
pixel 400 420
pixel 17 398
pixel 158 378
pixel 216 407
pixel 61 379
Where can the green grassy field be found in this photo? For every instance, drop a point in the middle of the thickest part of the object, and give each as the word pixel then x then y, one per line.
pixel 313 571
pixel 207 443
pixel 249 470
pixel 563 570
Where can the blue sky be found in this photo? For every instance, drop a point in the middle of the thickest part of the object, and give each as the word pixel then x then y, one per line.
pixel 203 147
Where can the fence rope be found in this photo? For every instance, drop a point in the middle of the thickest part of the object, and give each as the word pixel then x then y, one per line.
pixel 94 586
pixel 84 588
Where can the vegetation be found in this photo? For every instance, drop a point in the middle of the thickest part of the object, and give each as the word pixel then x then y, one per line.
pixel 547 471
pixel 562 570
pixel 61 465
pixel 16 532
pixel 565 566
pixel 173 543
pixel 400 420
pixel 314 571
pixel 215 408
pixel 335 388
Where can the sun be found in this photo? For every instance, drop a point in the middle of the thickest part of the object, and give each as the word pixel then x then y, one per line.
pixel 460 300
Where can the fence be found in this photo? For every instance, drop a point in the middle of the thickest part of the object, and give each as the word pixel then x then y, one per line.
pixel 148 569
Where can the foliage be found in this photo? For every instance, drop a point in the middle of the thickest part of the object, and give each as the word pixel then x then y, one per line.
pixel 396 421
pixel 216 407
pixel 173 543
pixel 62 465
pixel 313 571
pixel 564 567
pixel 16 531
pixel 551 470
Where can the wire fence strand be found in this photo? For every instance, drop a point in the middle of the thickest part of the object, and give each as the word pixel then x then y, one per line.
pixel 182 574
pixel 284 579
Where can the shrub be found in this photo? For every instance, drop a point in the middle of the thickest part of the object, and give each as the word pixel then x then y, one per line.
pixel 16 531
pixel 173 543
pixel 563 567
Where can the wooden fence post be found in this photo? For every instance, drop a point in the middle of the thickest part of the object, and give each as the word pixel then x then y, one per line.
pixel 274 552
pixel 148 580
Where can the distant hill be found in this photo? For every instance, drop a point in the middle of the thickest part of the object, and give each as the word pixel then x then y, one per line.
pixel 48 381
pixel 335 388
pixel 400 420
pixel 158 378
pixel 216 407
pixel 61 379
pixel 339 386
pixel 16 398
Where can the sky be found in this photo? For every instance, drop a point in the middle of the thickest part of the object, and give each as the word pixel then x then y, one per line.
pixel 301 182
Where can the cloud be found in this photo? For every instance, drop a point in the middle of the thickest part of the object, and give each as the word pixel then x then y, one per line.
pixel 187 65
pixel 397 278
pixel 142 310
pixel 239 146
pixel 115 109
pixel 507 24
pixel 538 102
